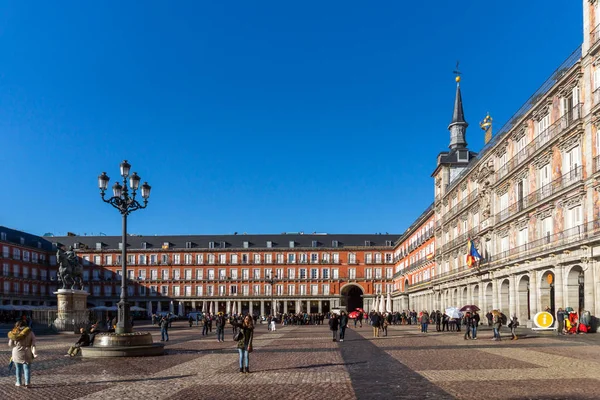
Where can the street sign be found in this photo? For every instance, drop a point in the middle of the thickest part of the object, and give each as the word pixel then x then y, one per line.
pixel 543 320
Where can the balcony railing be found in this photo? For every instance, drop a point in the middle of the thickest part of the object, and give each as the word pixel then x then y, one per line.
pixel 459 206
pixel 543 138
pixel 566 180
pixel 546 245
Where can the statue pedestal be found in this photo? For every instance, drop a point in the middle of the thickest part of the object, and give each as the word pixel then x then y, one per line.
pixel 72 310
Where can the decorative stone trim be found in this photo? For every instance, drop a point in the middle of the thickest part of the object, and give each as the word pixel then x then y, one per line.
pixel 501 149
pixel 464 216
pixel 503 189
pixel 520 133
pixel 438 181
pixel 542 112
pixel 475 208
pixel 573 201
pixel 542 159
pixel 463 186
pixel 570 142
pixel 520 175
pixel 523 223
pixel 502 232
pixel 545 213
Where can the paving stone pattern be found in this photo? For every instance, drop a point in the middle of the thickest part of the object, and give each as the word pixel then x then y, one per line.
pixel 302 362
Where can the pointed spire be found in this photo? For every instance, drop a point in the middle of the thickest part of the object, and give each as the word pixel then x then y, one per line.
pixel 458 126
pixel 459 114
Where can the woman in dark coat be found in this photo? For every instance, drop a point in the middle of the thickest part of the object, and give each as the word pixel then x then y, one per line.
pixel 245 343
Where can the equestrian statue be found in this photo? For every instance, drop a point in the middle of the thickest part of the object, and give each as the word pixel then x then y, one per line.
pixel 70 270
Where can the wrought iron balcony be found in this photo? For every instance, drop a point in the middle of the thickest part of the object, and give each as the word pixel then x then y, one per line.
pixel 563 182
pixel 541 140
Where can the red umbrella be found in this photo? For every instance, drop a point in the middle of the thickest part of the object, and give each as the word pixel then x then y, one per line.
pixel 470 308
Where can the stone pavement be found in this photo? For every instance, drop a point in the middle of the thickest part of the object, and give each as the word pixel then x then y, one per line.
pixel 302 362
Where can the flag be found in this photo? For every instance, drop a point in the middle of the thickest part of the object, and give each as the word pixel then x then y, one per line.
pixel 472 254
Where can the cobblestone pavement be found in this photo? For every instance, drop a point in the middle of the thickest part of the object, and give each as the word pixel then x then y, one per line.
pixel 302 362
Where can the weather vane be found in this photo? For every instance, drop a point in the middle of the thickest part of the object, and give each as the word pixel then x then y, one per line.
pixel 457 72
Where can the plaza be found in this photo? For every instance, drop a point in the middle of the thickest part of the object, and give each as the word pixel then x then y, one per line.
pixel 302 362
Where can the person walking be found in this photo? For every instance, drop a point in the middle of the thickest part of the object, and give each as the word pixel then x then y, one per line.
pixel 468 321
pixel 375 320
pixel 424 321
pixel 245 343
pixel 560 321
pixel 474 325
pixel 514 323
pixel 496 324
pixel 344 325
pixel 273 324
pixel 22 340
pixel 334 324
pixel 164 328
pixel 220 324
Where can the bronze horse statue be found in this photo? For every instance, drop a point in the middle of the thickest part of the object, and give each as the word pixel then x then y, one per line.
pixel 70 270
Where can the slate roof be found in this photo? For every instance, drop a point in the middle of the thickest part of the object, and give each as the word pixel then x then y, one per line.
pixel 14 236
pixel 224 242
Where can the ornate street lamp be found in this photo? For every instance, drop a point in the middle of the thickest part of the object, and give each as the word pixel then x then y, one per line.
pixel 125 202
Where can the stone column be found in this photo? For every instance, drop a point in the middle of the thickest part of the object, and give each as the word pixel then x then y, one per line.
pixel 262 307
pixel 227 307
pixel 239 307
pixel 481 296
pixel 512 296
pixel 495 296
pixel 250 310
pixel 320 303
pixel 193 305
pixel 588 289
pixel 559 287
pixel 534 297
pixel 285 305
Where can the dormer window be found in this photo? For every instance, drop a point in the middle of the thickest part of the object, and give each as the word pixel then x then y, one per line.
pixel 188 245
pixel 269 244
pixel 367 243
pixel 75 245
pixel 144 245
pixel 315 243
pixel 334 243
pixel 39 245
pixel 223 245
pixel 211 245
pixel 292 244
pixel 166 245
pixel 22 240
pixel 99 246
pixel 246 244
pixel 2 235
pixel 388 242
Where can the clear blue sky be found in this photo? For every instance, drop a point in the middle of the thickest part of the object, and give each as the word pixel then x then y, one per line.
pixel 258 117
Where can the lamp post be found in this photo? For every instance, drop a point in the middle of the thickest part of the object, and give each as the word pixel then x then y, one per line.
pixel 581 282
pixel 271 281
pixel 126 204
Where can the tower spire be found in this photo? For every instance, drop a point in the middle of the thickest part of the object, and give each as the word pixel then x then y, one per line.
pixel 458 126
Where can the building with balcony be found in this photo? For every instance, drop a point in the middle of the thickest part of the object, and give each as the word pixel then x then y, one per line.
pixel 300 272
pixel 529 200
pixel 28 269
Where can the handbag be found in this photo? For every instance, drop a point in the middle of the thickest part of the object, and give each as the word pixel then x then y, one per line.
pixel 238 336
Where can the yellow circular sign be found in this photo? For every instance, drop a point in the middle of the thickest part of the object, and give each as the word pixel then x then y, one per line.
pixel 543 319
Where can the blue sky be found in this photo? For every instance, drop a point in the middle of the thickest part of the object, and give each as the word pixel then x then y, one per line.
pixel 258 117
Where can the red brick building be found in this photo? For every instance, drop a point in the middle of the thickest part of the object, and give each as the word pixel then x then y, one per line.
pixel 312 272
pixel 28 269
